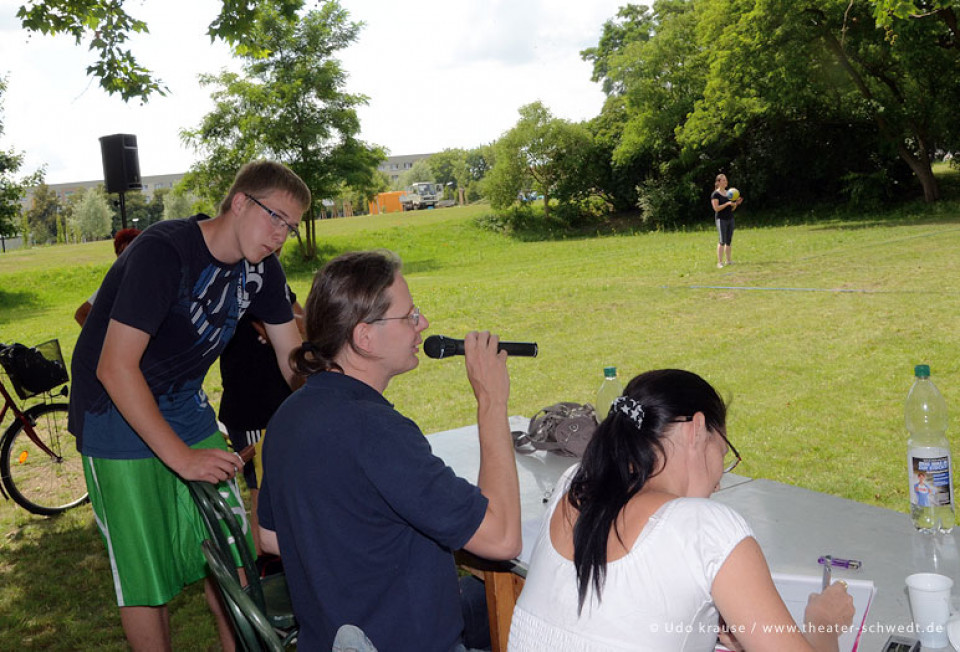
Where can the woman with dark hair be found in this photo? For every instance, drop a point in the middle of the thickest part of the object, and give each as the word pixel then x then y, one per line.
pixel 632 555
pixel 364 515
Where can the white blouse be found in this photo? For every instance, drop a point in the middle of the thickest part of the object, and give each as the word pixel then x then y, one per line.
pixel 656 597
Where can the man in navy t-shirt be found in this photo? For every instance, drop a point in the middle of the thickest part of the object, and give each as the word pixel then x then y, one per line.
pixel 165 310
pixel 365 517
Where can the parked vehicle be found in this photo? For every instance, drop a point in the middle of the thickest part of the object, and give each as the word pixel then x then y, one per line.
pixel 422 195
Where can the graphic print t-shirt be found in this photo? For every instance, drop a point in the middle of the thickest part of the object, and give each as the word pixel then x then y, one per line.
pixel 169 285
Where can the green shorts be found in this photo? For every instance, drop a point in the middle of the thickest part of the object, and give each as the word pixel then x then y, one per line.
pixel 151 526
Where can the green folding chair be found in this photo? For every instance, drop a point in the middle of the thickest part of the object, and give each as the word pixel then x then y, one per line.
pixel 270 594
pixel 251 627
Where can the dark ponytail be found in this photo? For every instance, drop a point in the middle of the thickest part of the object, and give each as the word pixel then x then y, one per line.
pixel 623 455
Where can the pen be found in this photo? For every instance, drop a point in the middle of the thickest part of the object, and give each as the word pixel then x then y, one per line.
pixel 825 560
pixel 852 564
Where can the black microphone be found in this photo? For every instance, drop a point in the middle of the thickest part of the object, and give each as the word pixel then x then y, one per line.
pixel 438 346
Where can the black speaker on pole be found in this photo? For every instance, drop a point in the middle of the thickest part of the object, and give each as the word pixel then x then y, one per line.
pixel 121 167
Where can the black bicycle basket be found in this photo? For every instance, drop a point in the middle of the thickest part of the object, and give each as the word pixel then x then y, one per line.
pixel 34 370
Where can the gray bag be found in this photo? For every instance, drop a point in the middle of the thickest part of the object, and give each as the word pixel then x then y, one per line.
pixel 564 428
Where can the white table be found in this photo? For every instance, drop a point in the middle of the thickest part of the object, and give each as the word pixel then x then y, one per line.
pixel 794 527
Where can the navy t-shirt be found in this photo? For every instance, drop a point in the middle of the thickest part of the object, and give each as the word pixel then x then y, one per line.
pixel 367 518
pixel 169 285
pixel 721 197
pixel 253 385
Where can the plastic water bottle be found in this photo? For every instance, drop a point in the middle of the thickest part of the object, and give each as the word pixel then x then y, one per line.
pixel 929 465
pixel 610 389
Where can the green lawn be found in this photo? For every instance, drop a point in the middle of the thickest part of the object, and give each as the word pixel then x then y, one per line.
pixel 812 334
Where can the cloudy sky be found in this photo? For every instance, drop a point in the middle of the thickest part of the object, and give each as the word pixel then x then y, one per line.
pixel 438 74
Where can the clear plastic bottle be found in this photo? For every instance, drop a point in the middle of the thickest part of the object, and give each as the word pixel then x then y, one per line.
pixel 610 389
pixel 929 464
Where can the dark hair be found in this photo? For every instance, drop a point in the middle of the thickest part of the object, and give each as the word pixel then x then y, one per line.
pixel 123 238
pixel 261 177
pixel 348 290
pixel 621 458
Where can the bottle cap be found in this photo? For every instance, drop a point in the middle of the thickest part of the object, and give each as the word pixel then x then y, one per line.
pixel 922 371
pixel 609 372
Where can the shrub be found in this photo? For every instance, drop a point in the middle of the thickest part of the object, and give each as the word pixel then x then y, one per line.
pixel 666 203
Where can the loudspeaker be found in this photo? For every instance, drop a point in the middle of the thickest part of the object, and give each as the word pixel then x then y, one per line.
pixel 121 167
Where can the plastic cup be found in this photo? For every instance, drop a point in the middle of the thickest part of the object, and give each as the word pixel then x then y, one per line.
pixel 930 604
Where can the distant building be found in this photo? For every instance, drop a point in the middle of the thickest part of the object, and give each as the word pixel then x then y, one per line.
pixel 395 166
pixel 64 190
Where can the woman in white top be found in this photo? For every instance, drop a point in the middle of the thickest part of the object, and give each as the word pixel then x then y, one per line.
pixel 632 555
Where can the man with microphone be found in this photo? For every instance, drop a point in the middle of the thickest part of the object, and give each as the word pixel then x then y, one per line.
pixel 365 517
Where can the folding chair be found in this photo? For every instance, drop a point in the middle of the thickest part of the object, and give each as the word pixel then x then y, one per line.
pixel 253 631
pixel 269 594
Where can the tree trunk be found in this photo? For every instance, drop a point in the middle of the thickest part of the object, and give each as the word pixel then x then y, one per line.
pixel 546 204
pixel 920 165
pixel 309 243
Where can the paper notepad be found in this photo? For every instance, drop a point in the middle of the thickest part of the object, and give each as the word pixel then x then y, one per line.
pixel 796 589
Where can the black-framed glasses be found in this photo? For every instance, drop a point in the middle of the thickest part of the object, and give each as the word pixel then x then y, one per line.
pixel 731 458
pixel 413 316
pixel 275 218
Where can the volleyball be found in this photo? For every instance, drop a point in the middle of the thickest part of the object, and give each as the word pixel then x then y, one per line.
pixel 733 194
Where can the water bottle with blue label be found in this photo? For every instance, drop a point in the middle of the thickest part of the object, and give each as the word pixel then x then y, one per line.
pixel 929 464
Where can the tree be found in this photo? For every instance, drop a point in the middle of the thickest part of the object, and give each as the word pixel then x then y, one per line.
pixel 290 106
pixel 890 12
pixel 541 153
pixel 829 61
pixel 105 26
pixel 42 216
pixel 176 205
pixel 419 171
pixel 632 24
pixel 12 189
pixel 92 216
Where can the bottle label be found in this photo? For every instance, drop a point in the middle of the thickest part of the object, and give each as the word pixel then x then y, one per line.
pixel 930 484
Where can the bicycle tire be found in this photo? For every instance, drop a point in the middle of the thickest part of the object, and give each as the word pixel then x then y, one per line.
pixel 39 483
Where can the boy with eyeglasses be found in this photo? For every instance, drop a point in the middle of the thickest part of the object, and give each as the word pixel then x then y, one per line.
pixel 165 311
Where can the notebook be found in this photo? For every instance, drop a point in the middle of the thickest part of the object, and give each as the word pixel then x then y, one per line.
pixel 796 589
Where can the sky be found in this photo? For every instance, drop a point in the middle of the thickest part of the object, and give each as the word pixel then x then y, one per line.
pixel 437 74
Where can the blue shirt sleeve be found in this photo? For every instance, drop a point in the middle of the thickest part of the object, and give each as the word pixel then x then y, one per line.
pixel 423 490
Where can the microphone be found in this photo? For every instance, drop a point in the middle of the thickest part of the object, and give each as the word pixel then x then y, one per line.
pixel 438 346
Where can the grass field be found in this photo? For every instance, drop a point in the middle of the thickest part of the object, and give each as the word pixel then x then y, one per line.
pixel 812 334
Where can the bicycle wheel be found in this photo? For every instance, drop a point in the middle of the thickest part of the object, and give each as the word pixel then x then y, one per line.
pixel 41 483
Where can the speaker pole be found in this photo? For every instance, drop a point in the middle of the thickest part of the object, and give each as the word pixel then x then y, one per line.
pixel 123 211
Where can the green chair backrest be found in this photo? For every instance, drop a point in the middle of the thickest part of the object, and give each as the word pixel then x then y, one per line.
pixel 250 625
pixel 216 515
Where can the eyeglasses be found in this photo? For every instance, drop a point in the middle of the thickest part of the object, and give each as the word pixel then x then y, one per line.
pixel 413 316
pixel 731 458
pixel 275 219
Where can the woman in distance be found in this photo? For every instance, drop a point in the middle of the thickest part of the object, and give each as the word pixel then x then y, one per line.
pixel 632 555
pixel 723 208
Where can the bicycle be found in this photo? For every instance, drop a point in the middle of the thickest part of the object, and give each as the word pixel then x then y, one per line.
pixel 40 467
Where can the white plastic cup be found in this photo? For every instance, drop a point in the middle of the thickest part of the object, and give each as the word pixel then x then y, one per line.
pixel 930 603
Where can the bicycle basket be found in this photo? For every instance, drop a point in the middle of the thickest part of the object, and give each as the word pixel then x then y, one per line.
pixel 34 370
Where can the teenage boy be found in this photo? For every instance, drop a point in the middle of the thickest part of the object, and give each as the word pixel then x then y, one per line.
pixel 166 309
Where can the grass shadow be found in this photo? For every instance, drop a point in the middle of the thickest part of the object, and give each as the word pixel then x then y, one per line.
pixel 64 597
pixel 13 304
